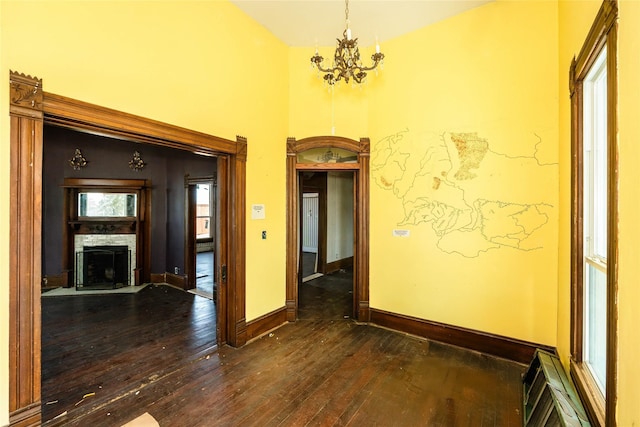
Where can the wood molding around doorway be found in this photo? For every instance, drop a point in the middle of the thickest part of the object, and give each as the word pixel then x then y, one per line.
pixel 361 215
pixel 30 108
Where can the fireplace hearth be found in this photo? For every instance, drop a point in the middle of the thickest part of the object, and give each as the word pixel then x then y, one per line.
pixel 102 267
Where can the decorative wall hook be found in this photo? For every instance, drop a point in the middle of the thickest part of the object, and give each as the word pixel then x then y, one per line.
pixel 136 163
pixel 78 161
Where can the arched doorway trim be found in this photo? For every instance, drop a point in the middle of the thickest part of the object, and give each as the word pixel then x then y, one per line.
pixel 361 227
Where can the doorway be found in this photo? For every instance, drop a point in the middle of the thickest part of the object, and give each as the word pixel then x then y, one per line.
pixel 323 155
pixel 201 235
pixel 326 288
pixel 129 323
pixel 30 108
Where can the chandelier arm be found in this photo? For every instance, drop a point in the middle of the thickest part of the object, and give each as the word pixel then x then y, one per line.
pixel 373 67
pixel 327 70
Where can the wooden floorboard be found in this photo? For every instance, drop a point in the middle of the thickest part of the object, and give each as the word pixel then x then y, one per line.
pixel 324 369
pixel 111 344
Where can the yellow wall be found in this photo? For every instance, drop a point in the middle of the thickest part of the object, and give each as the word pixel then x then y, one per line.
pixel 316 109
pixel 485 78
pixel 628 412
pixel 485 72
pixel 200 65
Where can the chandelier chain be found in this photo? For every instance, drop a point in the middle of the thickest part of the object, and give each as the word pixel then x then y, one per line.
pixel 346 10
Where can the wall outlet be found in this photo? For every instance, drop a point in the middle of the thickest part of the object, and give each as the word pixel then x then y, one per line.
pixel 176 270
pixel 264 234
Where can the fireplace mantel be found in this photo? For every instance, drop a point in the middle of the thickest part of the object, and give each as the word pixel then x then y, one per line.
pixel 79 228
pixel 104 226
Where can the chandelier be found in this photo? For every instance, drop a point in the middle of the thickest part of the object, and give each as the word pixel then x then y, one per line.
pixel 346 60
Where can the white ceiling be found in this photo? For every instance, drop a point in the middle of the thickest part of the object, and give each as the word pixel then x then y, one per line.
pixel 320 22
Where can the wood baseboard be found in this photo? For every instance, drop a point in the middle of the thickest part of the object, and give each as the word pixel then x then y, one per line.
pixel 266 323
pixel 157 278
pixel 169 278
pixel 25 417
pixel 176 280
pixel 337 265
pixel 497 345
pixel 56 281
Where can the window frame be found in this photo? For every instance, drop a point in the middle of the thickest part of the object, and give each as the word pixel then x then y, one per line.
pixel 601 409
pixel 211 215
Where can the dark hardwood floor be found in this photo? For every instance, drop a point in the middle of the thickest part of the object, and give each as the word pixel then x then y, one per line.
pixel 328 297
pixel 112 344
pixel 308 263
pixel 205 273
pixel 324 369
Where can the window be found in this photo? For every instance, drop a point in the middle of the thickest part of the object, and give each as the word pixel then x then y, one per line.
pixel 203 211
pixel 106 205
pixel 594 212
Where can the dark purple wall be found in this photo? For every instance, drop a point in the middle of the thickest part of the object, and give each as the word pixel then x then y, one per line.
pixel 109 158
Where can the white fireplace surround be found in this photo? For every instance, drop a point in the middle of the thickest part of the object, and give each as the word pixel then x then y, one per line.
pixel 129 240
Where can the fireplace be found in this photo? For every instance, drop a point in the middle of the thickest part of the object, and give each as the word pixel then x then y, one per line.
pixel 98 242
pixel 107 222
pixel 103 267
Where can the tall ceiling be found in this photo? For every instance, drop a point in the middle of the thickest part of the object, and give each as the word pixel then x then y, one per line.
pixel 320 22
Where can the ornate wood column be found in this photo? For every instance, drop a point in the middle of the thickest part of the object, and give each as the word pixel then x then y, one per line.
pixel 292 232
pixel 237 247
pixel 362 233
pixel 25 249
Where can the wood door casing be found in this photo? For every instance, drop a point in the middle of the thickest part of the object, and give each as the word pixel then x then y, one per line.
pixel 361 224
pixel 30 108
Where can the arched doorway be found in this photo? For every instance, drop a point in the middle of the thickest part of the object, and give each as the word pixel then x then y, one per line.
pixel 329 153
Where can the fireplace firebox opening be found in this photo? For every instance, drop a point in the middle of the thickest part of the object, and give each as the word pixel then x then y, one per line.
pixel 103 267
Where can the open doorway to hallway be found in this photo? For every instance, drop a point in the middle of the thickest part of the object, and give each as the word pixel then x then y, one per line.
pixel 326 280
pixel 329 154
